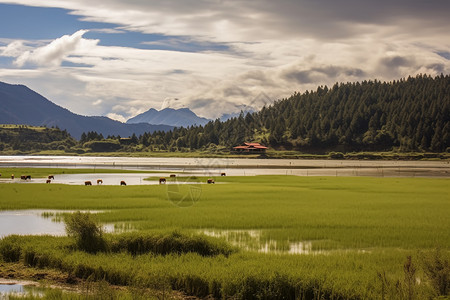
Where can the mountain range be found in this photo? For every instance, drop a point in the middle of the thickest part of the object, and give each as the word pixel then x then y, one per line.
pixel 21 105
pixel 182 117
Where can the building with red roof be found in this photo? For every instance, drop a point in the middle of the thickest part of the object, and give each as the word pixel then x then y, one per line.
pixel 251 148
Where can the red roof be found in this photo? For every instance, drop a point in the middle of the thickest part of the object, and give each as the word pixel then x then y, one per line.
pixel 251 146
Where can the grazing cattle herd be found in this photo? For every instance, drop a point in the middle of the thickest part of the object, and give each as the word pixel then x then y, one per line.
pixel 162 180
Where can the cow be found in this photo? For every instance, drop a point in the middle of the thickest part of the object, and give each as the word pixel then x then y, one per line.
pixel 48 181
pixel 223 174
pixel 23 177
pixel 99 181
pixel 87 183
pixel 173 175
pixel 28 177
pixel 162 180
pixel 210 181
pixel 51 177
pixel 123 183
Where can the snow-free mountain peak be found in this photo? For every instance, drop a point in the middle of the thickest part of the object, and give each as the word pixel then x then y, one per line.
pixel 182 117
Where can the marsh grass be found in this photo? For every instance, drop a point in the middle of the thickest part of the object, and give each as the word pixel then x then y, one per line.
pixel 367 227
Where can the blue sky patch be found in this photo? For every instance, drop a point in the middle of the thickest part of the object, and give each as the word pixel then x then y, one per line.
pixel 39 23
pixel 6 62
pixel 75 65
pixel 445 55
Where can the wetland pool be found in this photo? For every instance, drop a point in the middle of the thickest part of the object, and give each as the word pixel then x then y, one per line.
pixel 37 222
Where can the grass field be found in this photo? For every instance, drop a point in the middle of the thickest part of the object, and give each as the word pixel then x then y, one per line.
pixel 359 233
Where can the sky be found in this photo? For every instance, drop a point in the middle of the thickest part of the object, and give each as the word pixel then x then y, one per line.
pixel 120 58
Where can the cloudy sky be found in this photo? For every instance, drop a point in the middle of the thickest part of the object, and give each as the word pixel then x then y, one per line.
pixel 119 58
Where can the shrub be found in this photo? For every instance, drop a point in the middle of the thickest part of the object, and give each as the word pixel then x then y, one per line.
pixel 10 250
pixel 169 243
pixel 103 146
pixel 87 232
pixel 336 155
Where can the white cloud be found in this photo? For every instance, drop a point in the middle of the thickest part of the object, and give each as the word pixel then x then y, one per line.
pixel 54 53
pixel 14 49
pixel 116 117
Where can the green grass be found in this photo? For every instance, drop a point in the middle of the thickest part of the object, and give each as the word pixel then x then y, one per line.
pixel 363 225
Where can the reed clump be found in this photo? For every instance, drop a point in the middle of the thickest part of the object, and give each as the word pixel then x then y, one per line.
pixel 168 243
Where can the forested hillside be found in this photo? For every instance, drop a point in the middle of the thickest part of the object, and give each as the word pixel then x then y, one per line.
pixel 25 138
pixel 410 114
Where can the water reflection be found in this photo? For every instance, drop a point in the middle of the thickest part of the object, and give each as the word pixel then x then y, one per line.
pixel 251 240
pixel 38 222
pixel 7 289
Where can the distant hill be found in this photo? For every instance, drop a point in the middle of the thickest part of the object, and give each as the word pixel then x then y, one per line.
pixel 29 139
pixel 21 105
pixel 182 117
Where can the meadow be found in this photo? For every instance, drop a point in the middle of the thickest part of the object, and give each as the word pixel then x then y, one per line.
pixel 360 232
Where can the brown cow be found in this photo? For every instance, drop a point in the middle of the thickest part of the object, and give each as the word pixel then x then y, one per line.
pixel 123 183
pixel 23 177
pixel 210 181
pixel 99 181
pixel 87 183
pixel 51 177
pixel 48 181
pixel 162 180
pixel 173 175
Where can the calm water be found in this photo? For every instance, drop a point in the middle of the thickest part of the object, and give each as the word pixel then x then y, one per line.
pixel 17 289
pixel 251 240
pixel 34 222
